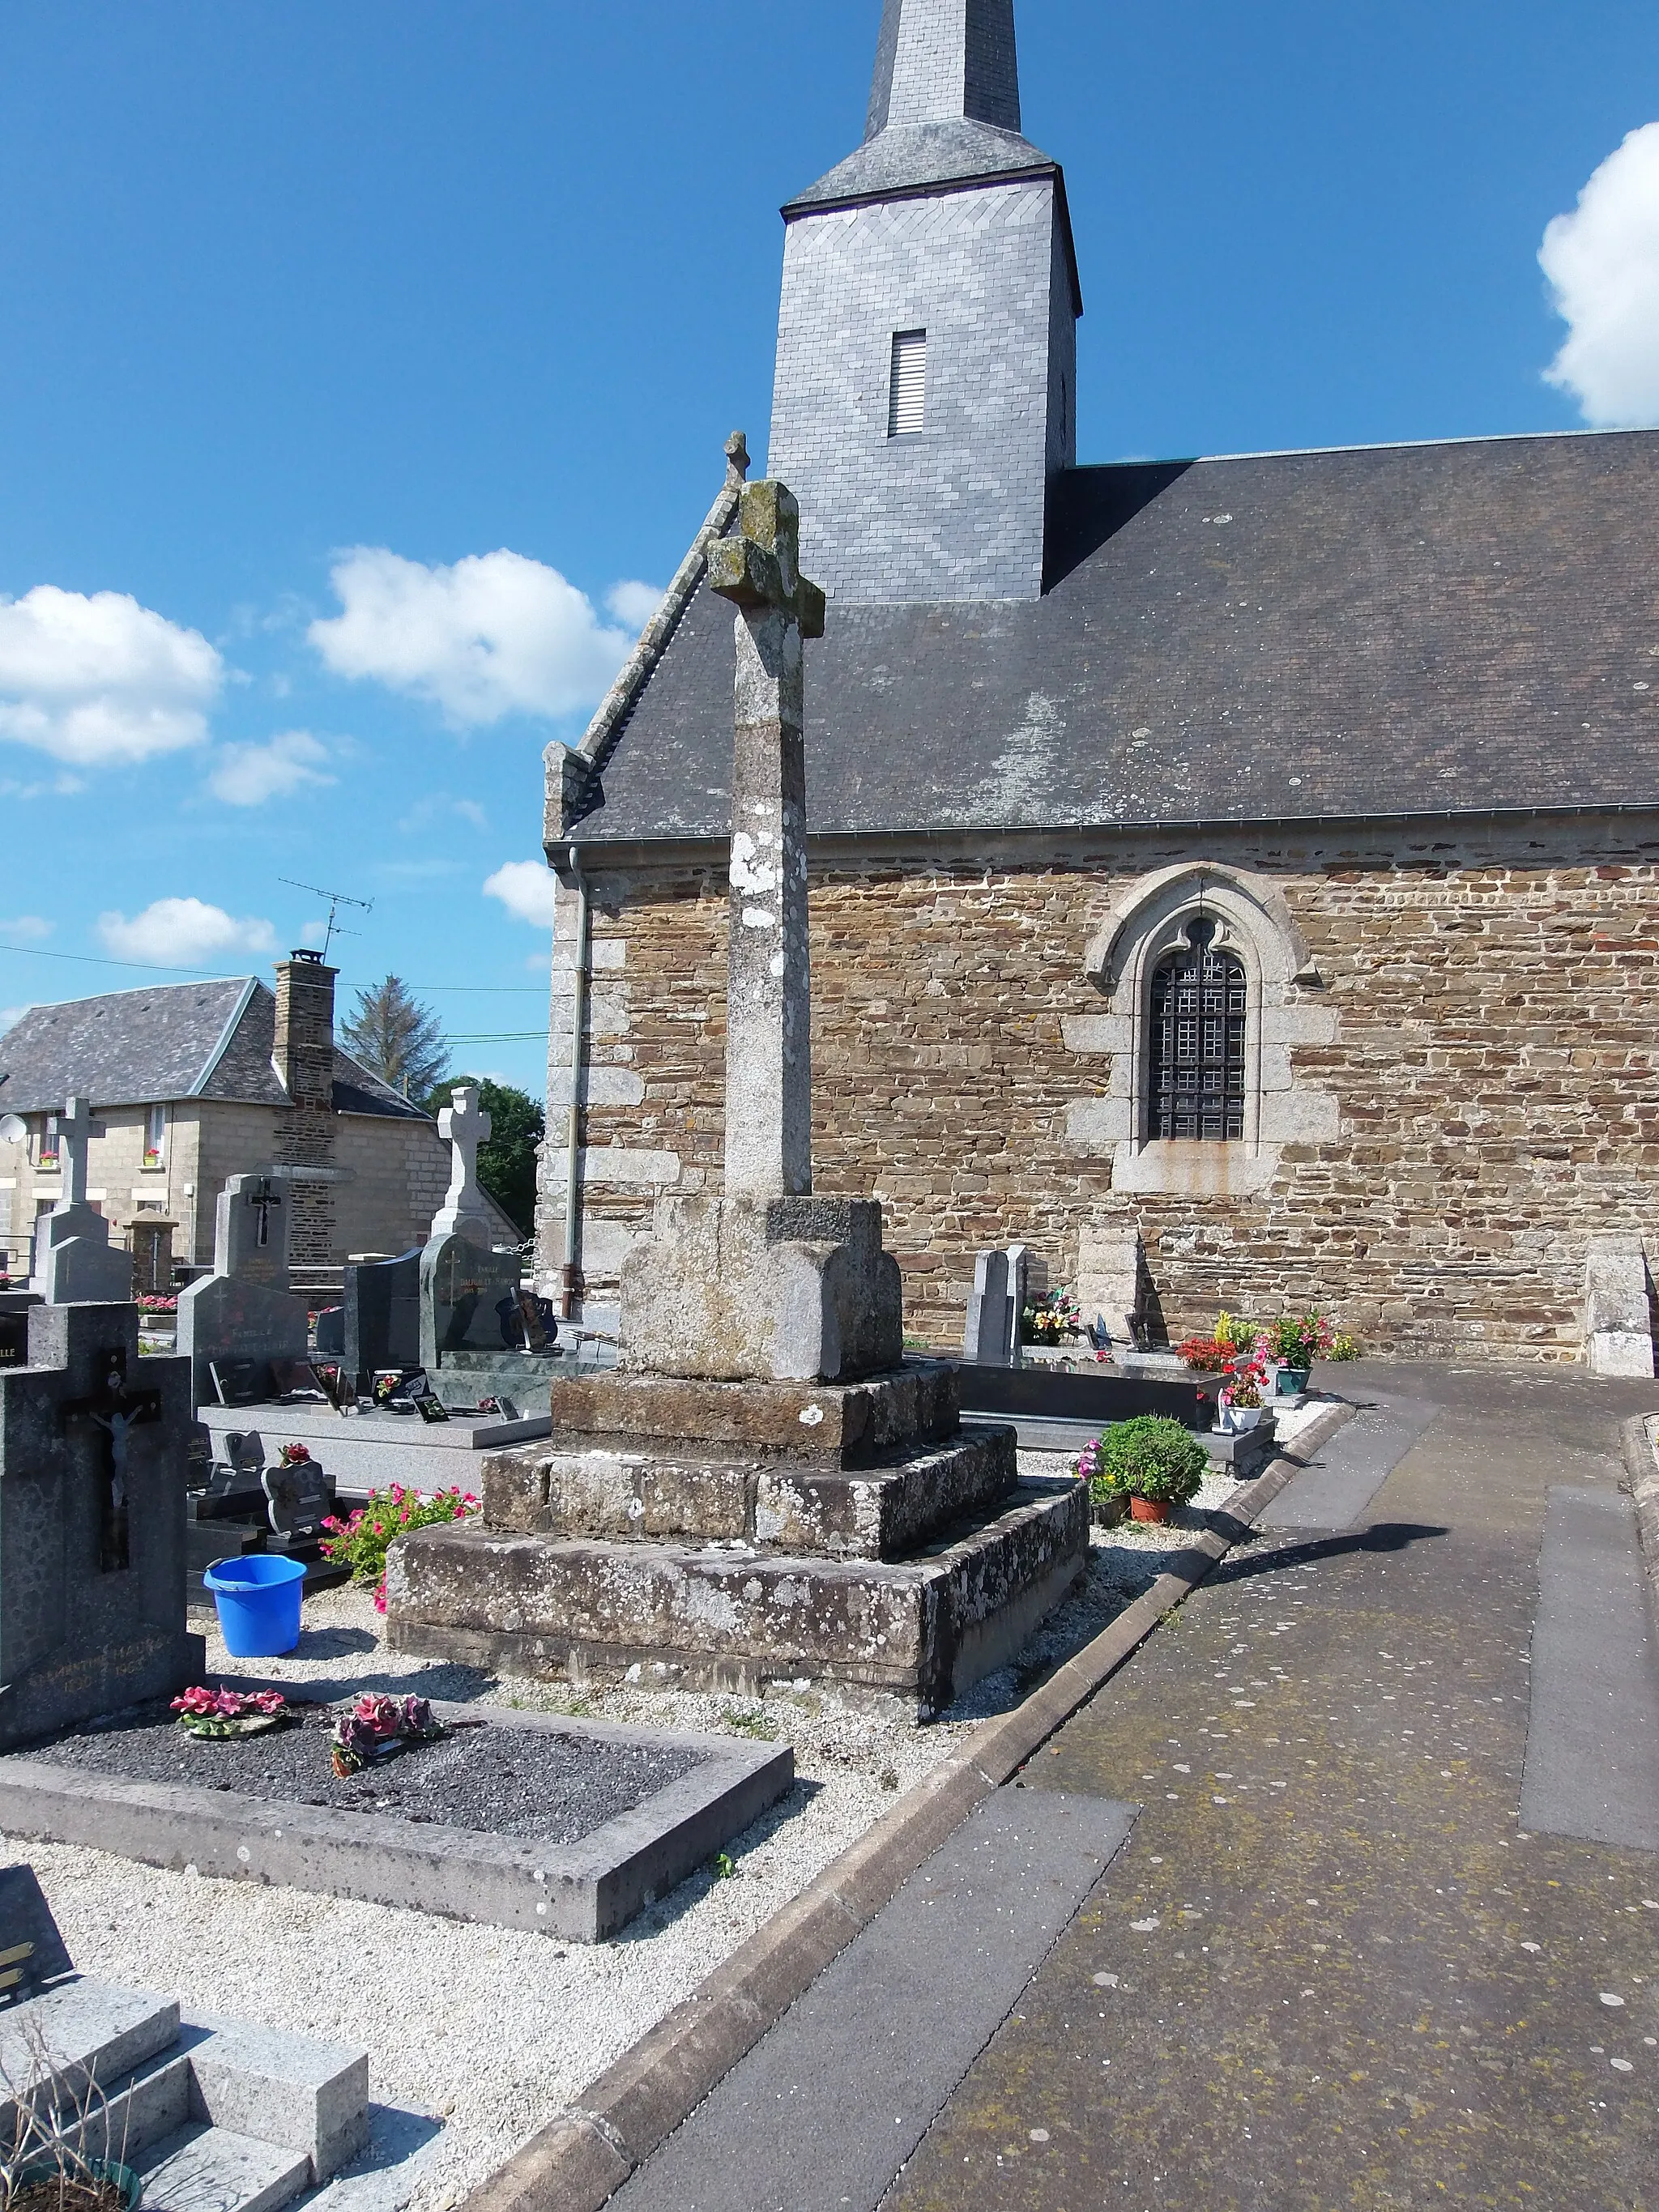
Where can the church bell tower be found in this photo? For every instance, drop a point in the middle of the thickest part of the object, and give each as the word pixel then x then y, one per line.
pixel 926 391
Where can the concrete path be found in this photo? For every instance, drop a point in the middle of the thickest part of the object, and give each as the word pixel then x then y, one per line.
pixel 1331 1967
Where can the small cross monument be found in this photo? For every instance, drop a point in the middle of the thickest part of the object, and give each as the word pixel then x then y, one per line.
pixel 464 1125
pixel 75 1263
pixel 768 1054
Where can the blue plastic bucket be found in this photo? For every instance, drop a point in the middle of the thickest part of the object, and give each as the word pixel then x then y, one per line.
pixel 258 1603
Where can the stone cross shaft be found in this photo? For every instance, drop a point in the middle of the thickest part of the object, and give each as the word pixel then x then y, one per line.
pixel 463 1128
pixel 768 1055
pixel 76 1130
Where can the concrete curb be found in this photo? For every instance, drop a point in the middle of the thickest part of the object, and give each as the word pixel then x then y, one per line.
pixel 1640 1441
pixel 581 2157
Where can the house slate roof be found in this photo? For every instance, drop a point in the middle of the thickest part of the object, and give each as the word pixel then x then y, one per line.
pixel 1407 629
pixel 161 1045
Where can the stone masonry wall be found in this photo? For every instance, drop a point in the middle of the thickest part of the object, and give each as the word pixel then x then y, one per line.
pixel 1492 1061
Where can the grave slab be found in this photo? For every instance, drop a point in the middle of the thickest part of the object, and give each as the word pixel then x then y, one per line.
pixel 580 1891
pixel 363 1452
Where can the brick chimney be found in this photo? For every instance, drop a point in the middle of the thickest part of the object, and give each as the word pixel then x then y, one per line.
pixel 302 1054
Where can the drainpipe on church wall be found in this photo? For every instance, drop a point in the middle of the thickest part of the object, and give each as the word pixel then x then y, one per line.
pixel 570 1278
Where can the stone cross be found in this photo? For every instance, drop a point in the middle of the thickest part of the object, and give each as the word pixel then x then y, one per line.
pixel 768 1055
pixel 463 1128
pixel 76 1130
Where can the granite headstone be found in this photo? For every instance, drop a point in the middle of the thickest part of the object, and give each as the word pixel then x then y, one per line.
pixel 92 1454
pixel 243 1310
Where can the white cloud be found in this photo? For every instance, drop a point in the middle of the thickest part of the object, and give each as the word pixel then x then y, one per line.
pixel 440 806
pixel 525 887
pixel 26 925
pixel 180 932
pixel 1602 261
pixel 633 604
pixel 248 775
pixel 495 635
pixel 101 682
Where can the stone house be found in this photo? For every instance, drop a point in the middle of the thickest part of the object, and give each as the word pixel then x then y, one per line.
pixel 1254 857
pixel 194 1083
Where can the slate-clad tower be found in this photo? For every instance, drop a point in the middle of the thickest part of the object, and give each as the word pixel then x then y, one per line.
pixel 926 388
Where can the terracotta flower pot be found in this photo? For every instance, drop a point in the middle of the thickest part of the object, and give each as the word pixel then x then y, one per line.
pixel 1147 1509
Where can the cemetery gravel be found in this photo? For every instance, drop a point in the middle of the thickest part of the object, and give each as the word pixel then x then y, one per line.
pixel 487 2029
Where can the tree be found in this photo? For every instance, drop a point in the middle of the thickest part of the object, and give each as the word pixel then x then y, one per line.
pixel 507 1162
pixel 398 1037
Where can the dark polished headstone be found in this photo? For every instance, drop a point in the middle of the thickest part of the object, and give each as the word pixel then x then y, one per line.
pixel 382 1315
pixel 93 1446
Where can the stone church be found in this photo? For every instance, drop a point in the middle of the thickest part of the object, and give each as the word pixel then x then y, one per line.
pixel 1232 878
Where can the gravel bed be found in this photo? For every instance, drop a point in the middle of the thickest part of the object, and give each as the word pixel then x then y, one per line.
pixel 519 1782
pixel 491 2031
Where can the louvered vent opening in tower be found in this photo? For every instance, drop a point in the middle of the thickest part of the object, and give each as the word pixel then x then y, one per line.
pixel 907 403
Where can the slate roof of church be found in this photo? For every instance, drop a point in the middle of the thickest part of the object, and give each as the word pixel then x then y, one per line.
pixel 162 1045
pixel 1425 628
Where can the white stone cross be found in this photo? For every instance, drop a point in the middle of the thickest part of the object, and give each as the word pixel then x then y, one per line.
pixel 768 1050
pixel 463 1128
pixel 76 1130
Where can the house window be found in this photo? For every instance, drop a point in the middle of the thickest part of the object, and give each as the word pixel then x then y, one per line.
pixel 49 1143
pixel 1196 1063
pixel 156 1138
pixel 907 393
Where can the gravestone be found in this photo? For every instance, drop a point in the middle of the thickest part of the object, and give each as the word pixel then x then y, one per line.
pixel 92 1447
pixel 987 1340
pixel 75 1263
pixel 464 1125
pixel 480 1332
pixel 33 1952
pixel 382 1315
pixel 152 1255
pixel 243 1311
pixel 301 1497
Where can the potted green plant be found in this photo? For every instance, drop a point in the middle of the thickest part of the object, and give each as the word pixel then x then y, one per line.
pixel 1152 1461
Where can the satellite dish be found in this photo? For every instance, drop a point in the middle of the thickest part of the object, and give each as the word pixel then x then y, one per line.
pixel 12 1129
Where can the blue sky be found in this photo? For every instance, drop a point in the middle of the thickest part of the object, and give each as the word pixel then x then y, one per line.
pixel 478 291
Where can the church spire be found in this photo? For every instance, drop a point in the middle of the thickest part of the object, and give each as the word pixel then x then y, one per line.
pixel 946 61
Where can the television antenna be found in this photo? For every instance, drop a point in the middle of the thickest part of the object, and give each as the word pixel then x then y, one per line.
pixel 336 901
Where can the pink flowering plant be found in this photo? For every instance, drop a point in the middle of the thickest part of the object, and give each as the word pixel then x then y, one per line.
pixel 206 1712
pixel 376 1727
pixel 361 1542
pixel 148 1302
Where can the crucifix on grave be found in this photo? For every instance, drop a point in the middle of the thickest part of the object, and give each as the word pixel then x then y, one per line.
pixel 266 1196
pixel 115 1409
pixel 769 1051
pixel 464 1125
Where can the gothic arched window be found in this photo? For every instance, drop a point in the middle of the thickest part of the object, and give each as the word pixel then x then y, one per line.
pixel 1196 1064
